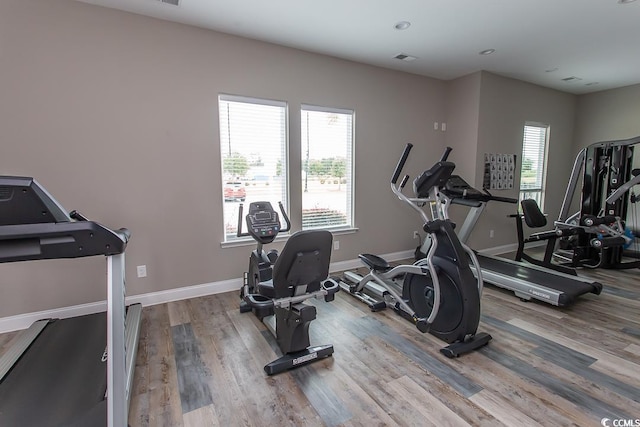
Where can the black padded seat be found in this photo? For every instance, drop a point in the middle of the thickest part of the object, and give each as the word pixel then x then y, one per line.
pixel 534 218
pixel 532 214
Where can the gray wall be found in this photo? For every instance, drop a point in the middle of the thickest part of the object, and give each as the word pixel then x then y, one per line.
pixel 486 113
pixel 463 115
pixel 607 115
pixel 116 115
pixel 505 105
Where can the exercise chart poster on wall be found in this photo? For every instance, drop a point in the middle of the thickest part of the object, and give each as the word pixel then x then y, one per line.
pixel 499 170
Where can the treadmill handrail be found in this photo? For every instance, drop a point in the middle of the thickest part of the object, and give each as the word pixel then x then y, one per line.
pixel 27 242
pixel 25 236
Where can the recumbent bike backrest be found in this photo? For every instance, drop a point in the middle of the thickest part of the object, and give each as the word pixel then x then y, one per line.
pixel 303 263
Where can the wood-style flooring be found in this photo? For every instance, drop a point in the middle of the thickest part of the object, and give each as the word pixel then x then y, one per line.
pixel 200 363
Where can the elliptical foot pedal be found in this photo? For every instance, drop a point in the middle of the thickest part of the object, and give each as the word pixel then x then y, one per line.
pixel 372 303
pixel 244 307
pixel 459 348
pixel 377 305
pixel 299 358
pixel 422 325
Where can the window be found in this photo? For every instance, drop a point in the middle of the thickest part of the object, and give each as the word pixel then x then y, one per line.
pixel 533 169
pixel 327 167
pixel 253 147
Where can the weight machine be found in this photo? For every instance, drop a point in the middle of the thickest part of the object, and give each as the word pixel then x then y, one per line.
pixel 605 170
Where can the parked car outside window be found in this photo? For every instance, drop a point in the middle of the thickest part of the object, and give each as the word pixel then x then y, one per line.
pixel 234 190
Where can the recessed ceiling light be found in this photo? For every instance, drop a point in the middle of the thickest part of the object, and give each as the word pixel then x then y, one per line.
pixel 487 51
pixel 402 25
pixel 591 84
pixel 551 70
pixel 625 1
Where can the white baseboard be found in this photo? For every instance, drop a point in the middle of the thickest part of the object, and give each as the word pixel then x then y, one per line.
pixel 496 250
pixel 356 263
pixel 23 321
pixel 186 292
pixel 512 247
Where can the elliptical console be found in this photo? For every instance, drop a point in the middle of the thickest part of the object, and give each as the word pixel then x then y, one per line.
pixel 263 222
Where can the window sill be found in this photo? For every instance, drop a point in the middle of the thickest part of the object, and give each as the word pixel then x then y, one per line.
pixel 247 241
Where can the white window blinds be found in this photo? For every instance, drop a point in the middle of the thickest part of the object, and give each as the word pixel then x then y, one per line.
pixel 327 167
pixel 532 172
pixel 253 147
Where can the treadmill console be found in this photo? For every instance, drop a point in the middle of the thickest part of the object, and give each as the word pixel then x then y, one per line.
pixel 263 222
pixel 460 192
pixel 33 226
pixel 456 186
pixel 24 201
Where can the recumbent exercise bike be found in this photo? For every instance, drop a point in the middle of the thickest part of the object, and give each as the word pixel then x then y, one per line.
pixel 276 285
pixel 439 293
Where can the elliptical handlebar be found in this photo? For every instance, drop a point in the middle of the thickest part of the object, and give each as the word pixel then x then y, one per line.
pixel 443 167
pixel 286 218
pixel 401 162
pixel 239 232
pixel 404 181
pixel 446 153
pixel 397 190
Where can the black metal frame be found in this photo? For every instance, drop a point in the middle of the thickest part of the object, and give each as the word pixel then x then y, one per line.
pixel 276 285
pixel 34 226
pixel 551 237
pixel 606 166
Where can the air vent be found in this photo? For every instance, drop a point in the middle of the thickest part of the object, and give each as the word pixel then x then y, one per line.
pixel 405 57
pixel 171 2
pixel 571 79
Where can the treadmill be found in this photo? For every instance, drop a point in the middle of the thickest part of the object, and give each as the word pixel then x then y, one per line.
pixel 527 281
pixel 66 372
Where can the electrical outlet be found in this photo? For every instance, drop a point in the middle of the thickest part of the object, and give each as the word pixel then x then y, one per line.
pixel 491 234
pixel 336 245
pixel 142 270
pixel 416 235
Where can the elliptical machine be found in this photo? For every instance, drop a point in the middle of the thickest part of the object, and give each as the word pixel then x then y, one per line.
pixel 439 293
pixel 276 285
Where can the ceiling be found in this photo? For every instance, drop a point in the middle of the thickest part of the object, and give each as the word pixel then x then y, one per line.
pixel 597 42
